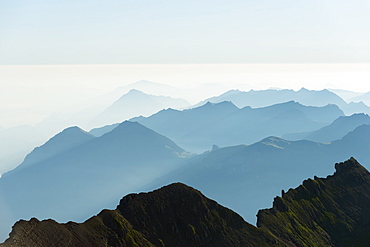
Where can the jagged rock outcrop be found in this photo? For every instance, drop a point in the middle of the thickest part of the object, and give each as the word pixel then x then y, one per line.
pixel 332 211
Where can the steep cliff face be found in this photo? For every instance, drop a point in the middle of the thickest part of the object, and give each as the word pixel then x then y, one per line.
pixel 332 211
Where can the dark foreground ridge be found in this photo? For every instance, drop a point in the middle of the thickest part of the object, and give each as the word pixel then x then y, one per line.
pixel 332 211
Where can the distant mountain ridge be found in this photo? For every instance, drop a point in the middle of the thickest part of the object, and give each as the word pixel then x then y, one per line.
pixel 263 98
pixel 331 211
pixel 67 139
pixel 224 124
pixel 335 131
pixel 222 172
pixel 363 97
pixel 79 176
pixel 136 103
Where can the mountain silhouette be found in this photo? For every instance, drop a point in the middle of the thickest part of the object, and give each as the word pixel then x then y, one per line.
pixel 262 98
pixel 336 130
pixel 136 103
pixel 16 142
pixel 62 185
pixel 103 130
pixel 67 139
pixel 331 211
pixel 224 124
pixel 365 98
pixel 222 172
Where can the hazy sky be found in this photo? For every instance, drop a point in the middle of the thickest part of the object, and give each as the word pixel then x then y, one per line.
pixel 29 93
pixel 303 36
pixel 191 31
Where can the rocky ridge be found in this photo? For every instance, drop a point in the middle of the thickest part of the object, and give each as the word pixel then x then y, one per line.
pixel 331 211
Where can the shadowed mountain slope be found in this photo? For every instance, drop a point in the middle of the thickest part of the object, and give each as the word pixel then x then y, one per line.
pixel 175 215
pixel 330 211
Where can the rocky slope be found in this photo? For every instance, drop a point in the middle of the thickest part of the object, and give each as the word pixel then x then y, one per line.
pixel 175 215
pixel 330 211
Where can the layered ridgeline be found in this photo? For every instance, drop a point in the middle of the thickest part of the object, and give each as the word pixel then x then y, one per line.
pixel 136 103
pixel 224 124
pixel 74 174
pixel 363 97
pixel 330 211
pixel 67 139
pixel 262 98
pixel 335 131
pixel 246 177
pixel 16 142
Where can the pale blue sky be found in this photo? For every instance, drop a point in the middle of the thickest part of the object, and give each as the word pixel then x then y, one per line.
pixel 192 31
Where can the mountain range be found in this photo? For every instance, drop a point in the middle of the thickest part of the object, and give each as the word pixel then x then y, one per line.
pixel 331 211
pixel 262 98
pixel 74 170
pixel 136 103
pixel 335 131
pixel 256 151
pixel 363 97
pixel 17 142
pixel 224 124
pixel 114 107
pixel 264 168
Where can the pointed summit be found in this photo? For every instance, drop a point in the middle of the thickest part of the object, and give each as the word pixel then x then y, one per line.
pixel 331 211
pixel 65 140
pixel 136 103
pixel 352 167
pixel 135 91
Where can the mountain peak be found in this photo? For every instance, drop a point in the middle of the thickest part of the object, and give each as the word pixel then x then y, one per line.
pixel 129 127
pixel 331 211
pixel 141 135
pixel 220 104
pixel 73 130
pixel 135 91
pixel 349 166
pixel 67 139
pixel 303 90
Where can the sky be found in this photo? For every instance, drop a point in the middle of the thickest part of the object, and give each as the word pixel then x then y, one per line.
pixel 54 54
pixel 29 93
pixel 184 32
